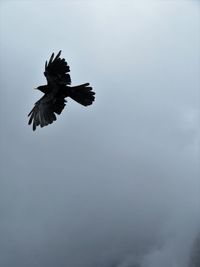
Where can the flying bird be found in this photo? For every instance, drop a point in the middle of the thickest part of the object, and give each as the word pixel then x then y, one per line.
pixel 55 91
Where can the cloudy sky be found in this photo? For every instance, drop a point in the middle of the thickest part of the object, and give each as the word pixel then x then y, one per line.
pixel 115 184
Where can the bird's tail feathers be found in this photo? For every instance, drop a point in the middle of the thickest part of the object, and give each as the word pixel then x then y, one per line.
pixel 82 94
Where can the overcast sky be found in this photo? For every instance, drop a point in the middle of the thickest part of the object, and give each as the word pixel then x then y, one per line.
pixel 115 184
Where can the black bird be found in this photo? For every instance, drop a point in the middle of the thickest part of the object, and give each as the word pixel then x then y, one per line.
pixel 55 92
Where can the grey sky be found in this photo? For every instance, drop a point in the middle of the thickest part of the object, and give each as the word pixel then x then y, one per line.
pixel 115 184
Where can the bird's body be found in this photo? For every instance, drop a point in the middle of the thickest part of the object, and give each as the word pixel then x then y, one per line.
pixel 57 89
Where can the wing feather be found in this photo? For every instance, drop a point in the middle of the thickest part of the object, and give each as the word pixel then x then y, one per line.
pixel 58 55
pixel 57 70
pixel 43 113
pixel 51 58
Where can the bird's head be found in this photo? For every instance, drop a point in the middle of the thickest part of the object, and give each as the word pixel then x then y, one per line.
pixel 43 88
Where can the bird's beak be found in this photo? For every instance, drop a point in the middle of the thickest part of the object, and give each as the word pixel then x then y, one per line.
pixel 35 88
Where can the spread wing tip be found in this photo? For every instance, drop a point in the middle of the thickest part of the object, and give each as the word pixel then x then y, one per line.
pixel 58 55
pixel 51 58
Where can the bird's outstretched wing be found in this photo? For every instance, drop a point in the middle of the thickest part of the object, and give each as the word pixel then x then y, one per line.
pixel 57 70
pixel 43 113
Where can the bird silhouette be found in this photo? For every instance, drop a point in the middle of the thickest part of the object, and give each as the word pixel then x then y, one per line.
pixel 57 89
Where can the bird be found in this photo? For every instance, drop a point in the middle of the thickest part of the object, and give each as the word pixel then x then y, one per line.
pixel 57 89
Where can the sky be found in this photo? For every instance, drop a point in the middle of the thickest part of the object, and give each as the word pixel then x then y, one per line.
pixel 115 184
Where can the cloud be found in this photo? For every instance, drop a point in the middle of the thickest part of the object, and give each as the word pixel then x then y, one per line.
pixel 115 184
